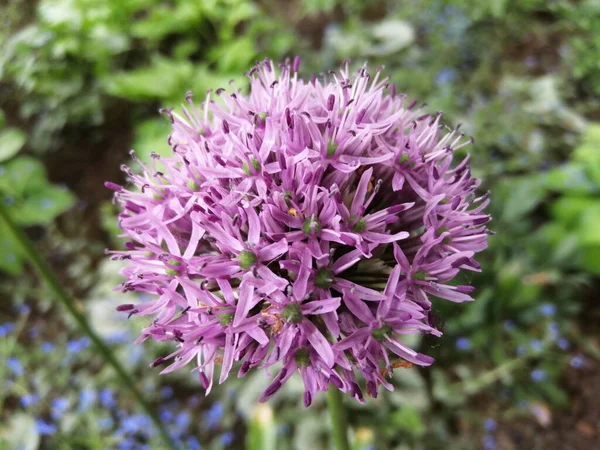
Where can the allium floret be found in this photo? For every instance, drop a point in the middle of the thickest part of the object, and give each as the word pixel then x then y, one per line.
pixel 303 227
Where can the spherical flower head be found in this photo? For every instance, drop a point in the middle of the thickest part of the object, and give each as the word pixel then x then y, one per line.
pixel 306 224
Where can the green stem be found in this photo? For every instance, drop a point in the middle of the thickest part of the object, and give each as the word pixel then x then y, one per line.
pixel 46 273
pixel 339 426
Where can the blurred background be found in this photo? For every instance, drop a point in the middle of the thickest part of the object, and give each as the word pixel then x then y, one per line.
pixel 80 84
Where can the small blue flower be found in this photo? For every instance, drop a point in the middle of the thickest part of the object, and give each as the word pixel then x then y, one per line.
pixel 283 429
pixel 536 345
pixel 538 375
pixel 105 423
pixel 14 365
pixel 489 442
pixel 489 425
pixel 445 76
pixel 182 420
pixel 107 398
pixel 232 393
pixel 59 406
pixel 193 401
pixel 464 344
pixel 45 428
pixel 136 353
pixel 61 403
pixel 577 361
pixel 553 327
pixel 227 439
pixel 521 350
pixel 548 309
pixel 128 444
pixel 6 328
pixel 523 404
pixel 29 400
pixel 214 415
pixel 24 309
pixel 47 347
pixel 166 392
pixel 193 444
pixel 563 344
pixel 118 337
pixel 34 332
pixel 135 423
pixel 166 415
pixel 509 325
pixel 87 398
pixel 78 345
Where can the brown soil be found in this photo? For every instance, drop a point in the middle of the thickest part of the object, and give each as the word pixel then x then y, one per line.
pixel 575 428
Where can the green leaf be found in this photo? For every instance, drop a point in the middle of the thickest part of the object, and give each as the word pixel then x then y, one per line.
pixel 11 141
pixel 588 230
pixel 163 79
pixel 522 195
pixel 10 253
pixel 571 178
pixel 41 208
pixel 589 156
pixel 568 210
pixel 22 174
pixel 498 8
pixel 590 259
pixel 592 134
pixel 163 20
pixel 563 241
pixel 235 56
pixel 408 419
pixel 444 391
pixel 588 153
pixel 554 394
pixel 151 136
pixel 28 194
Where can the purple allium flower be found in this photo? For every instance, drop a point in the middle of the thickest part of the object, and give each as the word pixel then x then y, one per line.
pixel 303 226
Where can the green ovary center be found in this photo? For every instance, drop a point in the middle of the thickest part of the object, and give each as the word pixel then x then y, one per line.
pixel 292 313
pixel 247 259
pixel 380 333
pixel 324 278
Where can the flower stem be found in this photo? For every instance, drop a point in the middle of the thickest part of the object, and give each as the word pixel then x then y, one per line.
pixel 46 274
pixel 339 426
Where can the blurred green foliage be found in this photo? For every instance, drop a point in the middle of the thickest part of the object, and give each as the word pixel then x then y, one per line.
pixel 521 76
pixel 26 191
pixel 574 230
